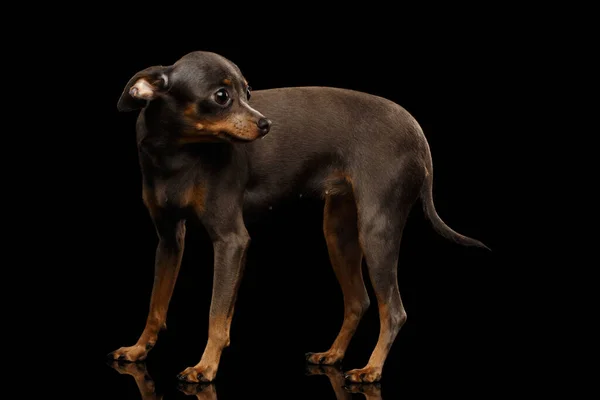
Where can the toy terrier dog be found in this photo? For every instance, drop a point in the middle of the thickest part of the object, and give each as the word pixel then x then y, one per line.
pixel 211 148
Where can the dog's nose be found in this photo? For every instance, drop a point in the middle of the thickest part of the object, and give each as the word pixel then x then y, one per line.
pixel 264 125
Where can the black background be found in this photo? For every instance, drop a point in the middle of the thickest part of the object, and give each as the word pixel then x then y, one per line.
pixel 289 302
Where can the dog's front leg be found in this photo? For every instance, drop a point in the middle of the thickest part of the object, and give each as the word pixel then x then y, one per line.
pixel 171 234
pixel 230 247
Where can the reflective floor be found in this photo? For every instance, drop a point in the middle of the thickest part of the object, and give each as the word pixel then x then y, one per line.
pixel 135 381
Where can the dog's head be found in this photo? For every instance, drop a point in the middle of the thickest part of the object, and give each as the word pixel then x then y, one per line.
pixel 203 95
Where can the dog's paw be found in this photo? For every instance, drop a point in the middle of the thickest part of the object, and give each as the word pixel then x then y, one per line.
pixel 364 375
pixel 326 358
pixel 129 354
pixel 197 374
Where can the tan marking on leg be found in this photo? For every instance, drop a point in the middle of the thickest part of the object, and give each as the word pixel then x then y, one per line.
pixel 389 327
pixel 230 258
pixel 345 254
pixel 167 263
pixel 387 334
pixel 195 196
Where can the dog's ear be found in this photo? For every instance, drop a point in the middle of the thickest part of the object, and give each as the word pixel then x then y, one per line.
pixel 144 86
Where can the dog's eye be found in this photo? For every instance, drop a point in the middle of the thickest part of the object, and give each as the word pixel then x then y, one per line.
pixel 248 94
pixel 222 97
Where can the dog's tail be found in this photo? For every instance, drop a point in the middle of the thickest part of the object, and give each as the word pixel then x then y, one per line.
pixel 439 225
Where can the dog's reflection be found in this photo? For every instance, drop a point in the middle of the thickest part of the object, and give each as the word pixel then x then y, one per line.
pixel 139 372
pixel 201 391
pixel 342 389
pixel 147 387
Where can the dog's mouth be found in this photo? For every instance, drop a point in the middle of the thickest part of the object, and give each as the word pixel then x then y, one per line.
pixel 233 138
pixel 219 136
pixel 229 130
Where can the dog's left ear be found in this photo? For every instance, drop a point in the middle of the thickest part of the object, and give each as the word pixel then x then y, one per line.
pixel 144 86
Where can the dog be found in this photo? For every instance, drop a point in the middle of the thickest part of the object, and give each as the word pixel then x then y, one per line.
pixel 211 148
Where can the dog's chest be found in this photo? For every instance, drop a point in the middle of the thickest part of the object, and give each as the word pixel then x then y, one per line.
pixel 174 194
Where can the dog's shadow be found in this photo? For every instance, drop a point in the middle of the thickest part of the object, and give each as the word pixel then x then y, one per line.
pixel 147 387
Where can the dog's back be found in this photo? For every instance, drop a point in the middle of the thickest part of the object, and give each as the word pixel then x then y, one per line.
pixel 319 133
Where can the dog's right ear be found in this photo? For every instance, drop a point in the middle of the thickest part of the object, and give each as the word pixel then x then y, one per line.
pixel 144 86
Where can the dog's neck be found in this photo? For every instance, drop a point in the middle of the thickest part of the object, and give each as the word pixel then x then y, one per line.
pixel 160 150
pixel 167 158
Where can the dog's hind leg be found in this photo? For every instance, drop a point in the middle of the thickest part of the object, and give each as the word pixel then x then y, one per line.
pixel 341 235
pixel 382 214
